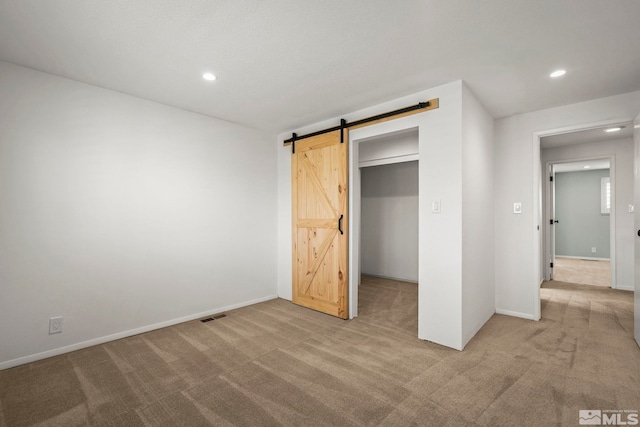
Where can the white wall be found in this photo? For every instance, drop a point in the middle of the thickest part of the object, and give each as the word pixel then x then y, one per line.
pixel 440 279
pixel 478 298
pixel 123 215
pixel 389 220
pixel 582 231
pixel 440 178
pixel 622 151
pixel 517 179
pixel 391 148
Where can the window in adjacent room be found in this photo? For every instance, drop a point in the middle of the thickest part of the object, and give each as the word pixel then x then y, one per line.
pixel 605 195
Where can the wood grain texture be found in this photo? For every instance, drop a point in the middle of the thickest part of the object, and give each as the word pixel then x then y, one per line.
pixel 319 198
pixel 433 104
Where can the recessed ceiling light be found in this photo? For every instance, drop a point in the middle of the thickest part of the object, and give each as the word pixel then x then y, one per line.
pixel 587 167
pixel 558 73
pixel 614 129
pixel 209 76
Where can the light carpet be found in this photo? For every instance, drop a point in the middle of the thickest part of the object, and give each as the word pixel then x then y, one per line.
pixel 275 363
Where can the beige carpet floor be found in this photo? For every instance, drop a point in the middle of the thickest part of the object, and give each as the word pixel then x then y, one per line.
pixel 582 271
pixel 275 363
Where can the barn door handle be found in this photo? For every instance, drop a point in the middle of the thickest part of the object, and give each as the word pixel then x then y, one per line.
pixel 340 224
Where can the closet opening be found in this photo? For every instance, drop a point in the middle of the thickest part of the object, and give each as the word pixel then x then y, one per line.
pixel 389 244
pixel 386 221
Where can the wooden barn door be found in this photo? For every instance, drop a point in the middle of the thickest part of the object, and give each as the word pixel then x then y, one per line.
pixel 320 244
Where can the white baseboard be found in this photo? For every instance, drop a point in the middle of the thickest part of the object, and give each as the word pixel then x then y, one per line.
pixel 624 288
pixel 101 340
pixel 399 279
pixel 515 314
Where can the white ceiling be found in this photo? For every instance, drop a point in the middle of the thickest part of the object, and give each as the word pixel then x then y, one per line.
pixel 585 136
pixel 287 63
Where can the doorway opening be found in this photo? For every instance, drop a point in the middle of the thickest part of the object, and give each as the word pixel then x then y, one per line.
pixel 389 243
pixel 581 232
pixel 384 231
pixel 582 143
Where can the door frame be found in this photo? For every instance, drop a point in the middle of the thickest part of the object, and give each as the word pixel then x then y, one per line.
pixel 538 237
pixel 548 207
pixel 356 137
pixel 550 234
pixel 636 223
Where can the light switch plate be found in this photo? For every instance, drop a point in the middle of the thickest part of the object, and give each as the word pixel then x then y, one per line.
pixel 435 207
pixel 517 208
pixel 632 208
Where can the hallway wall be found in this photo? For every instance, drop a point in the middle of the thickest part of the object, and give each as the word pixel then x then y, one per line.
pixel 581 226
pixel 518 238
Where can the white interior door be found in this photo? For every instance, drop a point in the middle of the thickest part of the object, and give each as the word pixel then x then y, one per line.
pixel 636 191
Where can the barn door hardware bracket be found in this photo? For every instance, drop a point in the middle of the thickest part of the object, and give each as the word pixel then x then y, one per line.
pixel 426 105
pixel 294 136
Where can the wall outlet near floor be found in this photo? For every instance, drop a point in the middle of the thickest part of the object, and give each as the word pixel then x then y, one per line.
pixel 593 250
pixel 55 325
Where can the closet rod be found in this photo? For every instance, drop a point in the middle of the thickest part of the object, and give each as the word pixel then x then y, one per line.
pixel 380 117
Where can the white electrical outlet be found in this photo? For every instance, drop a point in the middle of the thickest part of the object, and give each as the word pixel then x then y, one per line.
pixel 517 208
pixel 55 325
pixel 593 250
